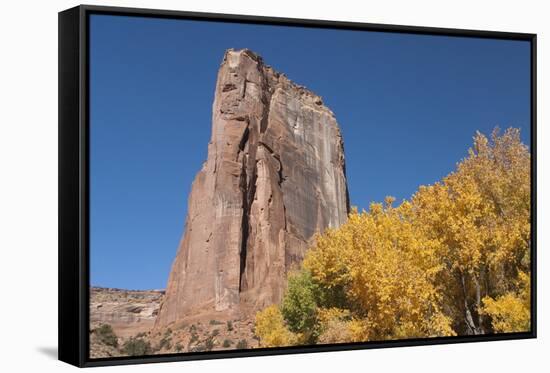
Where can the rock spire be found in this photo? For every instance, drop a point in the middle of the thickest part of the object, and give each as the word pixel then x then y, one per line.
pixel 275 175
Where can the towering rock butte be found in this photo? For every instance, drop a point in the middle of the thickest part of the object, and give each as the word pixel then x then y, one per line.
pixel 274 176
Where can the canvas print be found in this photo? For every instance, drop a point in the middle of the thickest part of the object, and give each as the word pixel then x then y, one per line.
pixel 263 186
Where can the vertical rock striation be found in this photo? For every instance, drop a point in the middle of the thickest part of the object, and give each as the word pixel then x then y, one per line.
pixel 275 175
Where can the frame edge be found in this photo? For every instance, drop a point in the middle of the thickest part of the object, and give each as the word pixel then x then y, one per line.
pixel 70 349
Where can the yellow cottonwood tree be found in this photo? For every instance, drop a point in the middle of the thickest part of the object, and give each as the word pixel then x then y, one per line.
pixel 270 327
pixel 480 214
pixel 511 312
pixel 388 271
pixel 455 259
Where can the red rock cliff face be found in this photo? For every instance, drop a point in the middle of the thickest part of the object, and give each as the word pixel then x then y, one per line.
pixel 274 176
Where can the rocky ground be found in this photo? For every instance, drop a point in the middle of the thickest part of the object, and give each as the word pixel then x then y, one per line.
pixel 121 324
pixel 200 336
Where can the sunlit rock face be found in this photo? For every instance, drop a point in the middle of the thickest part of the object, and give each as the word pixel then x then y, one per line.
pixel 275 175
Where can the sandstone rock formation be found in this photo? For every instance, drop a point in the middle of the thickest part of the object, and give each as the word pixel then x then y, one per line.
pixel 275 175
pixel 127 311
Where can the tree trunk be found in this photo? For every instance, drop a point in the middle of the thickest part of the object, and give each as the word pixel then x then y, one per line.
pixel 478 306
pixel 469 320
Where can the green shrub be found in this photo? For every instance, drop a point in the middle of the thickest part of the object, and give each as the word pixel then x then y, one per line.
pixel 301 301
pixel 198 348
pixel 106 335
pixel 229 326
pixel 136 347
pixel 194 337
pixel 215 332
pixel 165 342
pixel 209 343
pixel 215 322
pixel 178 347
pixel 242 344
pixel 226 343
pixel 299 305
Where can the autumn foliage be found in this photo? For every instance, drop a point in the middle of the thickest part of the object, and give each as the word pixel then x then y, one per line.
pixel 453 260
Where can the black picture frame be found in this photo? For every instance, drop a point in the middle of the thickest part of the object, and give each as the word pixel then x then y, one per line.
pixel 73 251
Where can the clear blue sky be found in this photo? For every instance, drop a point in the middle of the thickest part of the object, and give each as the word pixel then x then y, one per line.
pixel 408 106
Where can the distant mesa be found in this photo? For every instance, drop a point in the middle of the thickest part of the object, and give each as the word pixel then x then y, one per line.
pixel 275 175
